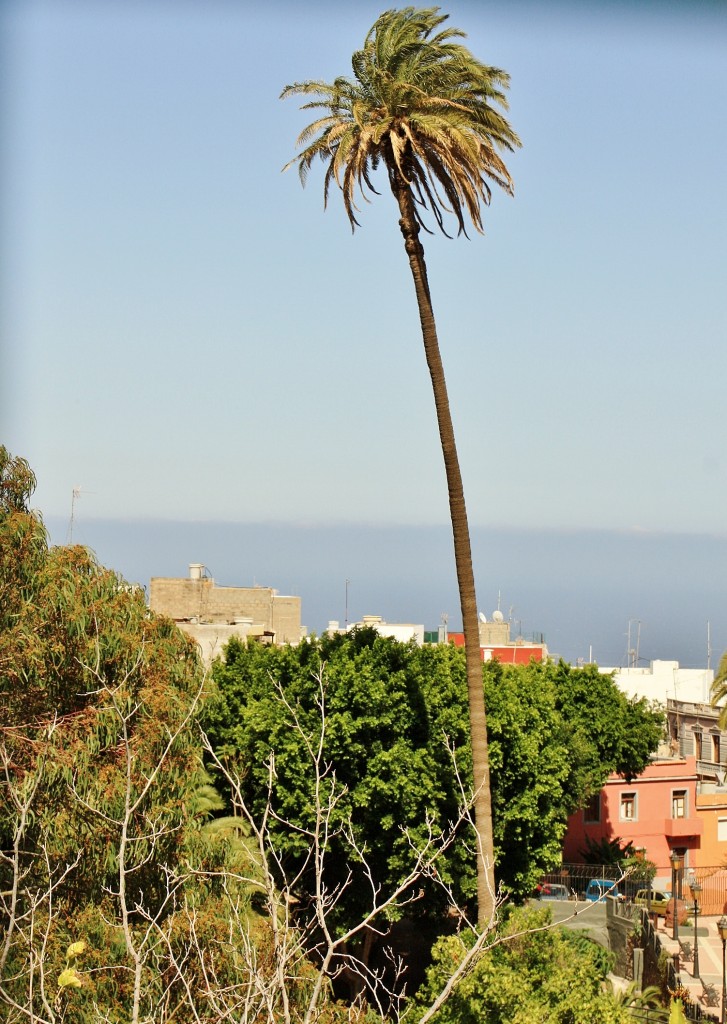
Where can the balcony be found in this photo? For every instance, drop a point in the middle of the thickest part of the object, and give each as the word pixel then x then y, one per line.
pixel 682 828
pixel 710 769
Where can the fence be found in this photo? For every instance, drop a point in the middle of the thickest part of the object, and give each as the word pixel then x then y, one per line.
pixel 575 877
pixel 692 1011
pixel 713 880
pixel 713 897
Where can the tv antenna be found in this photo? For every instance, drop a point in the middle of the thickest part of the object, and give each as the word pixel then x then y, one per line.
pixel 75 495
pixel 632 653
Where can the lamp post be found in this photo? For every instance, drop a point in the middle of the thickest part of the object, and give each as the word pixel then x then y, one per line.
pixel 722 929
pixel 677 860
pixel 696 889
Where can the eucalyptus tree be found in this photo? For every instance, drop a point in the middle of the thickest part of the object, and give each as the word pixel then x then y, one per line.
pixel 423 107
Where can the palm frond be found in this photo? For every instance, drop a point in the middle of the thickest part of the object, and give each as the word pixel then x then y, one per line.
pixel 422 104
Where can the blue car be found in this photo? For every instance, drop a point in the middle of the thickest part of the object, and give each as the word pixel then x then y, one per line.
pixel 600 887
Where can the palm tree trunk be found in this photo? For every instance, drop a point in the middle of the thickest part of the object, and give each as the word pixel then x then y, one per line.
pixel 462 555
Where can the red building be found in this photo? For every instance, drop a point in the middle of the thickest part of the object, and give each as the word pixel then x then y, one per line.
pixel 516 653
pixel 495 642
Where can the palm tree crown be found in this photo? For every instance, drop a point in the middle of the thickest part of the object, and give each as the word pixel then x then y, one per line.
pixel 420 103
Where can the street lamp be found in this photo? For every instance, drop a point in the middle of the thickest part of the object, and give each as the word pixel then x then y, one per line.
pixel 722 929
pixel 696 889
pixel 677 861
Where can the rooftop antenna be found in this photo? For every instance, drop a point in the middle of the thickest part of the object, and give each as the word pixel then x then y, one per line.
pixel 75 494
pixel 442 631
pixel 632 653
pixel 345 621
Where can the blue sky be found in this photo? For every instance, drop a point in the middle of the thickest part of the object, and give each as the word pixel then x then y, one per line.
pixel 187 336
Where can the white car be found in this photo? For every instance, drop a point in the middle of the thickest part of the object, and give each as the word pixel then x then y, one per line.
pixel 553 892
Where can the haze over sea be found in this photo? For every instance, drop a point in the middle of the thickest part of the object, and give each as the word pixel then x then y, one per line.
pixel 578 587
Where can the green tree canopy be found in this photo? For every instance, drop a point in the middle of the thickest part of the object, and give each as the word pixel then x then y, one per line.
pixel 617 731
pixel 100 761
pixel 533 974
pixel 388 708
pixel 556 734
pixel 86 673
pixel 23 542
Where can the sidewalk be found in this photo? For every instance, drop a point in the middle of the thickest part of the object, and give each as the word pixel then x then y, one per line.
pixel 710 959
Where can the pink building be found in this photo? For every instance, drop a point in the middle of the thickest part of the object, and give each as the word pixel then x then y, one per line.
pixel 657 812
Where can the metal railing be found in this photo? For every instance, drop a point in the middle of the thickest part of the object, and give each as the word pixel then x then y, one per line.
pixel 713 880
pixel 692 1010
pixel 575 877
pixel 713 894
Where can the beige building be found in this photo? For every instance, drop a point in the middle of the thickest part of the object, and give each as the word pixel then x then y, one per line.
pixel 496 632
pixel 212 614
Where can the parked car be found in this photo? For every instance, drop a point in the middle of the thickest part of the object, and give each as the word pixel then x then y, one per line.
pixel 600 887
pixel 659 900
pixel 553 892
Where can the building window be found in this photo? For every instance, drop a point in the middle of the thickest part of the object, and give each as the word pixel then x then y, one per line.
pixel 715 748
pixel 722 830
pixel 592 810
pixel 679 803
pixel 698 745
pixel 627 811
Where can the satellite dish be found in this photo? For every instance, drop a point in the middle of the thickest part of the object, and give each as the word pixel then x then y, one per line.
pixel 497 616
pixel 483 617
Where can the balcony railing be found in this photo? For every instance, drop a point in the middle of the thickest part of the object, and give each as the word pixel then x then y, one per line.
pixel 712 768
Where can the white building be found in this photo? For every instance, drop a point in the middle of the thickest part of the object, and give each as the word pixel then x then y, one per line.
pixel 402 631
pixel 664 680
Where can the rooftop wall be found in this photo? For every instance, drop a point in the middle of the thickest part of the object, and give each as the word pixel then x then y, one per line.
pixel 203 601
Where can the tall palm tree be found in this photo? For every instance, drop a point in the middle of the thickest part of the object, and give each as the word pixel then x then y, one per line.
pixel 425 108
